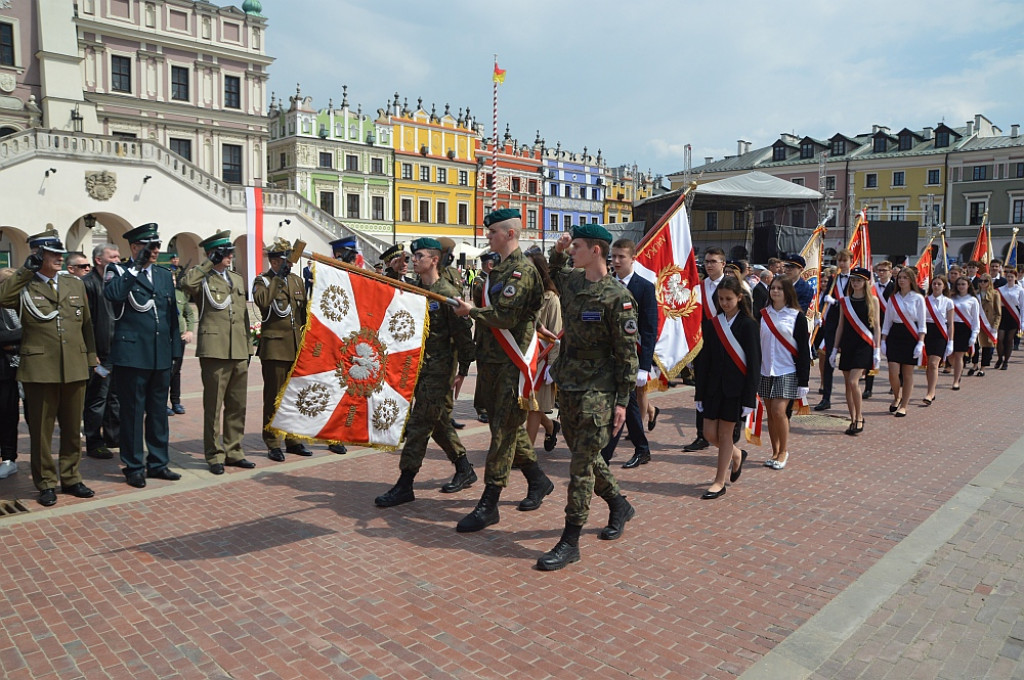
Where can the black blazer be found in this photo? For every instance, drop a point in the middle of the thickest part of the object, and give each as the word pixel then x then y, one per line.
pixel 760 294
pixel 647 318
pixel 716 373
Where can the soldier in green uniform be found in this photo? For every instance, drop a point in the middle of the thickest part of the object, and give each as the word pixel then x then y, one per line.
pixel 58 351
pixel 453 276
pixel 476 291
pixel 281 298
pixel 223 349
pixel 449 337
pixel 595 373
pixel 513 299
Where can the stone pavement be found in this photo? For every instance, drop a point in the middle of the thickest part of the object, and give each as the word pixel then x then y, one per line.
pixel 895 552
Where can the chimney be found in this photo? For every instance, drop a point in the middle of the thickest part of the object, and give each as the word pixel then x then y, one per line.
pixel 927 133
pixel 746 147
pixel 708 159
pixel 1015 130
pixel 739 147
pixel 970 128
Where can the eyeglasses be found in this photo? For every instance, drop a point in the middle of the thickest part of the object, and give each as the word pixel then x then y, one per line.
pixel 79 266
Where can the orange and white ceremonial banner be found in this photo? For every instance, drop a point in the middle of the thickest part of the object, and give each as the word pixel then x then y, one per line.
pixel 860 242
pixel 754 423
pixel 983 243
pixel 665 258
pixel 253 233
pixel 925 268
pixel 353 380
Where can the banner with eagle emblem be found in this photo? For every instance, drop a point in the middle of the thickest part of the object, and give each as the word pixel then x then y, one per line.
pixel 354 376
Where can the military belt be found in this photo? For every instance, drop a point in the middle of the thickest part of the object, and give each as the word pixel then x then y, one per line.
pixel 587 353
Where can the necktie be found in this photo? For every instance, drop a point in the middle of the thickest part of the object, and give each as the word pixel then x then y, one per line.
pixel 53 285
pixel 149 277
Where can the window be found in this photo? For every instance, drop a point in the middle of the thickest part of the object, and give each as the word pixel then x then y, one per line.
pixel 179 83
pixel 463 178
pixel 838 147
pixel 595 194
pixel 797 218
pixel 593 220
pixel 611 219
pixel 406 170
pixel 463 213
pixel 231 164
pixel 232 92
pixel 567 222
pixel 182 147
pixel 6 44
pixel 531 219
pixel 980 172
pixel 880 144
pixel 583 193
pixel 377 207
pixel 807 150
pixel 489 180
pixel 941 140
pixel 554 189
pixel 583 220
pixel 326 160
pixel 424 211
pixel 424 173
pixel 352 206
pixel 1019 170
pixel 352 162
pixel 327 202
pixel 830 183
pixel 977 211
pixel 283 160
pixel 120 74
pixel 442 212
pixel 377 166
pixel 442 176
pixel 712 221
pixel 933 177
pixel 516 184
pixel 568 191
pixel 779 152
pixel 906 142
pixel 407 210
pixel 554 222
pixel 799 181
pixel 1018 211
pixel 738 221
pixel 871 180
pixel 937 213
pixel 897 212
pixel 899 178
pixel 531 186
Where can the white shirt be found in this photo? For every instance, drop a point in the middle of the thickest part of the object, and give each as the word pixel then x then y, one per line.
pixel 941 305
pixel 1013 295
pixel 625 281
pixel 968 306
pixel 776 360
pixel 912 305
pixel 709 289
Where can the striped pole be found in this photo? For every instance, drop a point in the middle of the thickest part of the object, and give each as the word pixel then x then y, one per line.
pixel 494 153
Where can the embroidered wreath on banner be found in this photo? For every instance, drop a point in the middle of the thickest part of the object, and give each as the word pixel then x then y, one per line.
pixel 674 294
pixel 334 303
pixel 363 363
pixel 385 415
pixel 312 400
pixel 402 325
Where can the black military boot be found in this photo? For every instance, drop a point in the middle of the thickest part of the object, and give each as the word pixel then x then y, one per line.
pixel 464 476
pixel 400 493
pixel 566 551
pixel 484 514
pixel 538 486
pixel 620 513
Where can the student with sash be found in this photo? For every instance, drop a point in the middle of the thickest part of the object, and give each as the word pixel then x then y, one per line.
pixel 785 363
pixel 990 311
pixel 727 378
pixel 714 270
pixel 903 337
pixel 836 290
pixel 1012 295
pixel 857 342
pixel 938 339
pixel 966 325
pixel 884 286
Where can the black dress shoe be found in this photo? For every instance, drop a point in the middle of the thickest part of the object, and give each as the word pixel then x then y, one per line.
pixel 457 425
pixel 339 449
pixel 100 453
pixel 637 460
pixel 710 495
pixel 482 416
pixel 698 444
pixel 866 395
pixel 299 450
pixel 217 468
pixel 241 463
pixel 78 490
pixel 48 497
pixel 735 474
pixel 136 479
pixel 653 421
pixel 276 454
pixel 823 405
pixel 550 440
pixel 164 473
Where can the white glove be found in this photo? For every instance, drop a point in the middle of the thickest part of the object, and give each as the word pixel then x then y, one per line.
pixel 974 339
pixel 829 300
pixel 949 349
pixel 919 349
pixel 817 322
pixel 833 359
pixel 878 358
pixel 641 377
pixel 547 376
pixel 699 406
pixel 801 392
pixel 881 348
pixel 747 410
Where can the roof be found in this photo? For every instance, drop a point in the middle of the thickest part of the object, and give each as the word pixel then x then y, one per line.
pixel 752 189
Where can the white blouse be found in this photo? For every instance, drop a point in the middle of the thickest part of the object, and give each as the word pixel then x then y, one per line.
pixel 776 360
pixel 912 305
pixel 941 305
pixel 969 307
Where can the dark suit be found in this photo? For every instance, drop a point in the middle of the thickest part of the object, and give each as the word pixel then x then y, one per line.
pixel 760 296
pixel 804 293
pixel 716 371
pixel 647 321
pixel 146 341
pixel 829 325
pixel 102 417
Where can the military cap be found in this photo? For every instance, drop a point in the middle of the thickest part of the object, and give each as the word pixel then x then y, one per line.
pixel 501 215
pixel 862 272
pixel 734 265
pixel 221 239
pixel 447 244
pixel 345 242
pixel 425 243
pixel 796 260
pixel 143 234
pixel 279 248
pixel 489 256
pixel 48 240
pixel 592 231
pixel 392 252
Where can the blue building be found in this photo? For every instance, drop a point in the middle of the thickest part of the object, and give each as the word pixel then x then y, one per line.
pixel 574 189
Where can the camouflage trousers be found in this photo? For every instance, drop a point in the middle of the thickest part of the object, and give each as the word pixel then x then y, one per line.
pixel 431 416
pixel 274 375
pixel 586 419
pixel 497 391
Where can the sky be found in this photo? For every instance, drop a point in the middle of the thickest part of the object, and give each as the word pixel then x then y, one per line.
pixel 641 79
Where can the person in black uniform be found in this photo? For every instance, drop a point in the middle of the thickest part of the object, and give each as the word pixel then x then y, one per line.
pixel 858 336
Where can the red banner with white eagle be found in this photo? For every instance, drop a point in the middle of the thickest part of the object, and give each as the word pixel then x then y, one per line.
pixel 353 379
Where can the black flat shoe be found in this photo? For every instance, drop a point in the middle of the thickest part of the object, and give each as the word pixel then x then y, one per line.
pixel 927 402
pixel 735 474
pixel 276 454
pixel 971 371
pixel 78 490
pixel 241 463
pixel 860 428
pixel 653 421
pixel 298 450
pixel 852 429
pixel 893 407
pixel 710 495
pixel 900 414
pixel 955 388
pixel 979 374
pixel 217 468
pixel 551 439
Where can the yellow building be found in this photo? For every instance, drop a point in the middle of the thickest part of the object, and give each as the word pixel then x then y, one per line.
pixel 435 173
pixel 625 186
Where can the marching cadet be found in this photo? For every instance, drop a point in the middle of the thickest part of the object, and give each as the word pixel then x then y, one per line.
pixel 396 263
pixel 223 349
pixel 146 342
pixel 449 336
pixel 508 328
pixel 595 372
pixel 281 298
pixel 58 350
pixel 453 276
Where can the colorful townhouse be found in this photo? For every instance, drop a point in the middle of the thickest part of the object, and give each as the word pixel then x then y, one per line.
pixel 574 189
pixel 624 186
pixel 517 182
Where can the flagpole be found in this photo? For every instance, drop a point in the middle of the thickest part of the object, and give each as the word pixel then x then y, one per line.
pixel 664 218
pixel 494 156
pixel 945 255
pixel 395 283
pixel 1013 248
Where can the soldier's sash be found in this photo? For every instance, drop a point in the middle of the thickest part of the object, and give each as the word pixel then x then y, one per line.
pixel 525 362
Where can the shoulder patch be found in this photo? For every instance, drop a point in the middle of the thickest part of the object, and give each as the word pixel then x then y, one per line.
pixel 517 274
pixel 627 305
pixel 434 305
pixel 509 291
pixel 630 326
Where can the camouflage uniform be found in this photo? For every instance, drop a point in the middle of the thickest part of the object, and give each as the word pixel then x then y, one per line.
pixel 515 291
pixel 449 336
pixel 595 372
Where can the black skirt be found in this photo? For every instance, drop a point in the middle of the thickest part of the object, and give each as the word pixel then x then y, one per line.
pixel 719 407
pixel 961 337
pixel 934 341
pixel 1007 322
pixel 899 345
pixel 853 351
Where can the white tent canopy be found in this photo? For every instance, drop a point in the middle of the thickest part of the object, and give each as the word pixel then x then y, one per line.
pixel 753 189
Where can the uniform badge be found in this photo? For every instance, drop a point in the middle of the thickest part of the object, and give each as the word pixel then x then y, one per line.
pixel 627 305
pixel 509 291
pixel 517 275
pixel 630 326
pixel 434 305
pixel 78 311
pixel 591 315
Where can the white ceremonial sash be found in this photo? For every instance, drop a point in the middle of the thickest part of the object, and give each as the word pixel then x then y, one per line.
pixel 1010 305
pixel 710 311
pixel 855 322
pixel 525 362
pixel 986 325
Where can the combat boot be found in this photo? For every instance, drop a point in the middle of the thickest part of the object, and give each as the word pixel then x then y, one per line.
pixel 620 513
pixel 400 493
pixel 565 552
pixel 538 486
pixel 464 477
pixel 484 514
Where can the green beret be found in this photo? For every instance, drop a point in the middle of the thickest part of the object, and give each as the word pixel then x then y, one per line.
pixel 496 216
pixel 592 231
pixel 143 234
pixel 425 243
pixel 392 252
pixel 218 240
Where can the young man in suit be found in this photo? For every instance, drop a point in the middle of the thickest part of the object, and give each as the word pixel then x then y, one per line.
pixel 646 308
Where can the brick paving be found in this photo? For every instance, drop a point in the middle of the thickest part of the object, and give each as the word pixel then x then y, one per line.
pixel 289 570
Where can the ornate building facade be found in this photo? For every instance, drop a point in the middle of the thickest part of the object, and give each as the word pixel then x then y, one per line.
pixel 520 182
pixel 574 189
